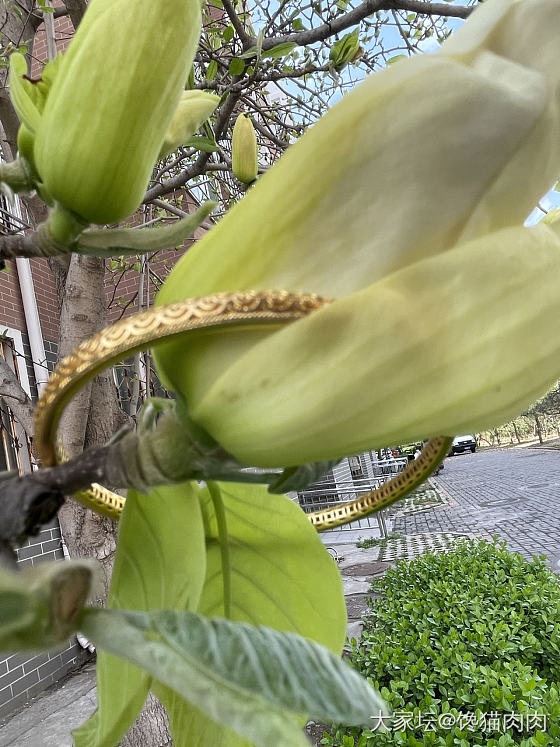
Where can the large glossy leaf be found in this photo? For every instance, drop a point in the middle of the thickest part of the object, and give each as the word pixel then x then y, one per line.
pixel 251 678
pixel 160 563
pixel 192 728
pixel 281 576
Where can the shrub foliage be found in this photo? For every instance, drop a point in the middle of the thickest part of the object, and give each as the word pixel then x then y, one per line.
pixel 473 634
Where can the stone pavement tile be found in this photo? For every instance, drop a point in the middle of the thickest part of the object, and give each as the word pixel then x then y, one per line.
pixel 50 717
pixel 357 565
pixel 512 493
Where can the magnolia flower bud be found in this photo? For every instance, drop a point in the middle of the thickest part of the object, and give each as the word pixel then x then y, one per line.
pixel 111 103
pixel 428 334
pixel 193 109
pixel 245 162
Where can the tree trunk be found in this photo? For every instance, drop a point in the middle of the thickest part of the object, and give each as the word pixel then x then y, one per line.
pixel 538 428
pixel 87 534
pixel 151 728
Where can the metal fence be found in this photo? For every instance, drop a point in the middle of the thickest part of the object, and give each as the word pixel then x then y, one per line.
pixel 330 491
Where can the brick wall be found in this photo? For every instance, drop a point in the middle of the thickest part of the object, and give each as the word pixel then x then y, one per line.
pixel 24 675
pixel 11 308
pixel 122 287
pixel 46 295
pixel 63 31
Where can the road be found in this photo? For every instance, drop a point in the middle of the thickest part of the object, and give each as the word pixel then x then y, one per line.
pixel 512 493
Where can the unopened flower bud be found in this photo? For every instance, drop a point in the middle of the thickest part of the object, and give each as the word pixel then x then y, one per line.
pixel 244 150
pixel 193 109
pixel 111 103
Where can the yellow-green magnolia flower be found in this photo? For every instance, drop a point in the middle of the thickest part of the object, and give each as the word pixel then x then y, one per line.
pixel 98 134
pixel 244 153
pixel 406 204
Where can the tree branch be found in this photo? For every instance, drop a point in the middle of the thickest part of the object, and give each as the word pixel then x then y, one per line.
pixel 26 245
pixel 353 18
pixel 430 9
pixel 76 10
pixel 246 39
pixel 301 38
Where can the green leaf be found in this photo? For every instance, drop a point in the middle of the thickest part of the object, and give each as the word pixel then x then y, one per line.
pixel 280 50
pixel 236 66
pixel 160 562
pixel 396 58
pixel 192 728
pixel 249 678
pixel 206 144
pixel 118 241
pixel 227 36
pixel 212 70
pixel 40 606
pixel 249 53
pixel 344 51
pixel 281 577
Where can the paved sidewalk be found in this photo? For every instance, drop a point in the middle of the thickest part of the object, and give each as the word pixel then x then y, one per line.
pixel 512 493
pixel 50 717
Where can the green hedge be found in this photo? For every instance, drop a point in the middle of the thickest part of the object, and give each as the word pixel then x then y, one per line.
pixel 474 631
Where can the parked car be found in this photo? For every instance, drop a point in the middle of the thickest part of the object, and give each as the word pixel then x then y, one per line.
pixel 461 444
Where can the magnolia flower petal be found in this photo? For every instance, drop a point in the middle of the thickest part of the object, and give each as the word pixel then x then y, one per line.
pixel 491 34
pixel 432 151
pixel 244 150
pixel 360 193
pixel 20 93
pixel 451 344
pixel 427 151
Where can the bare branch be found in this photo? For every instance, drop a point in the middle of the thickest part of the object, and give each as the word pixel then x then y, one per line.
pixel 18 246
pixel 353 18
pixel 36 244
pixel 246 39
pixel 431 9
